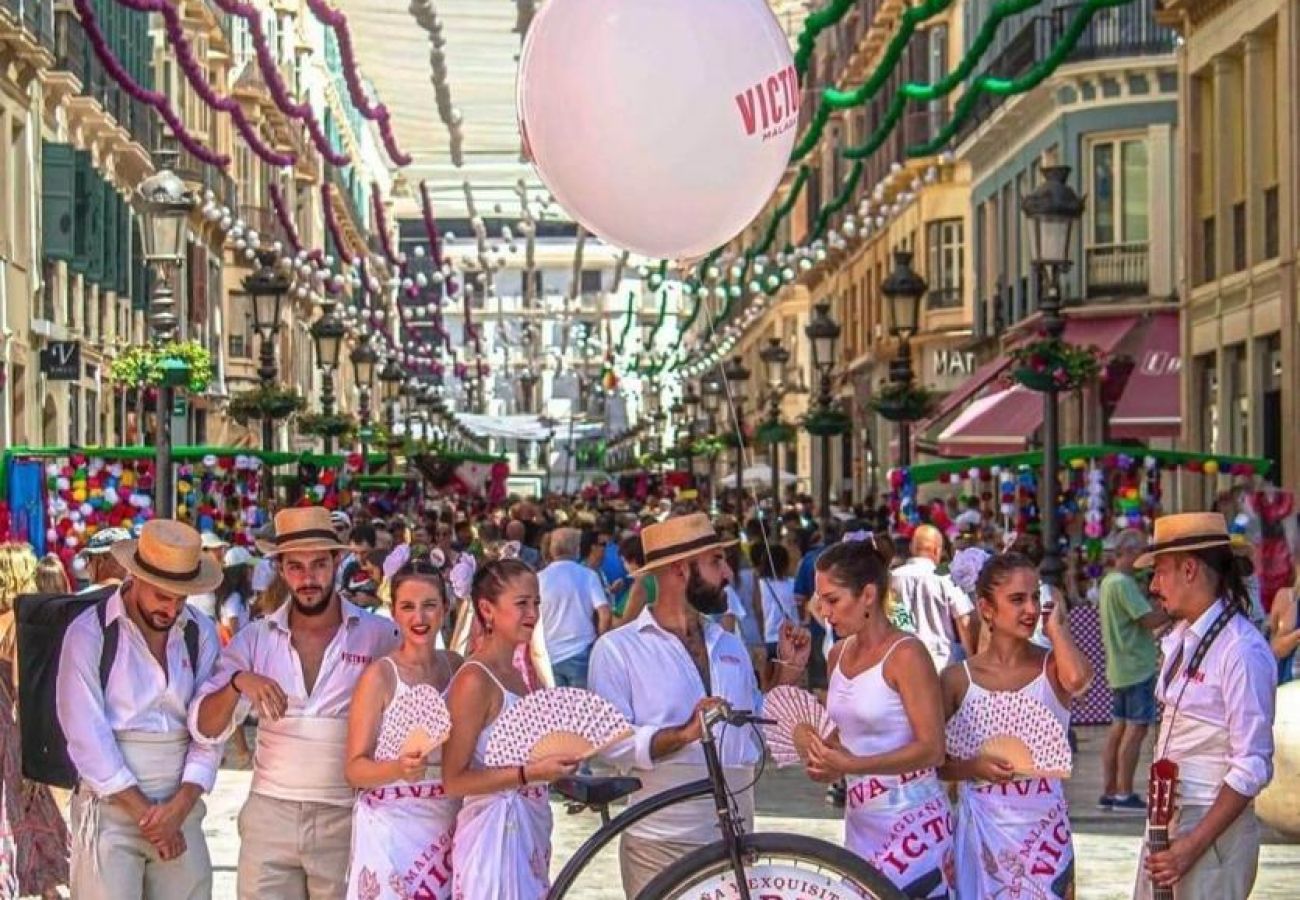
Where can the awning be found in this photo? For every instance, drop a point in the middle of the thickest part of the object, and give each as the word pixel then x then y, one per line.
pixel 1103 332
pixel 1151 404
pixel 1002 422
pixel 979 379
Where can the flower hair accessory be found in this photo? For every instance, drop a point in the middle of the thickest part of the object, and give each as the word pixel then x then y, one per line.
pixel 394 561
pixel 859 537
pixel 510 550
pixel 966 567
pixel 462 575
pixel 438 559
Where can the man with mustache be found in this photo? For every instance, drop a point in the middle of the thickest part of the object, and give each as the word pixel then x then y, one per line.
pixel 127 671
pixel 665 666
pixel 297 667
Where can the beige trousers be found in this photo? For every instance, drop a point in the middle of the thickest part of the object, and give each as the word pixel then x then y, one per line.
pixel 641 859
pixel 1227 869
pixel 119 863
pixel 293 851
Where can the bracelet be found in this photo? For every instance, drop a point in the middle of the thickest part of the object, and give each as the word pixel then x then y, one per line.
pixel 235 686
pixel 523 777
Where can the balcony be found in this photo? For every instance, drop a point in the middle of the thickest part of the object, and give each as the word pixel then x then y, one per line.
pixel 73 55
pixel 1125 31
pixel 1117 269
pixel 207 178
pixel 33 17
pixel 943 298
pixel 261 219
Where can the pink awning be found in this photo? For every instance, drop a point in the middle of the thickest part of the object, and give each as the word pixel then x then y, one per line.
pixel 1102 332
pixel 1001 422
pixel 1151 404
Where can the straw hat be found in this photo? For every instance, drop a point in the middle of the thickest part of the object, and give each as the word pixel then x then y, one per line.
pixel 1183 532
pixel 678 538
pixel 169 555
pixel 301 528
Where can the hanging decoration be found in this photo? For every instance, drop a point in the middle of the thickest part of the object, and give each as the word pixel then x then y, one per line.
pixel 813 26
pixel 282 215
pixel 427 18
pixel 157 100
pixel 332 224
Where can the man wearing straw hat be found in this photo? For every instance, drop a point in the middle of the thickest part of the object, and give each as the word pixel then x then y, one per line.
pixel 127 671
pixel 660 670
pixel 1217 683
pixel 297 667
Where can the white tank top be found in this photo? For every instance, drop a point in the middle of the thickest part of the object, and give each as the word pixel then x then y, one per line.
pixel 406 711
pixel 868 712
pixel 977 718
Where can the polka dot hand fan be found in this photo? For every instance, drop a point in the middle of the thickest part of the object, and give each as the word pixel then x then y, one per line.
pixel 558 721
pixel 799 716
pixel 427 726
pixel 1018 729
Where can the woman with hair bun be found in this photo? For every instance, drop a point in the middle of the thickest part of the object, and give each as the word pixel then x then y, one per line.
pixel 502 849
pixel 884 700
pixel 1013 827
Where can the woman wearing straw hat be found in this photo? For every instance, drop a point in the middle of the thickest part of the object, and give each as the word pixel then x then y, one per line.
pixel 1217 684
pixel 136 815
pixel 298 667
pixel 660 670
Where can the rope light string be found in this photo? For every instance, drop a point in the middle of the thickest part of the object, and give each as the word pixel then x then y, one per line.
pixel 813 26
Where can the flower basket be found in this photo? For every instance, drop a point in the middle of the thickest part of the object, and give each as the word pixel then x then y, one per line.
pixel 1052 364
pixel 827 423
pixel 902 402
pixel 150 366
pixel 333 425
pixel 265 403
pixel 774 433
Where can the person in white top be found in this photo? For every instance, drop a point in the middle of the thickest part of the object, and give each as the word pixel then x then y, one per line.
pixel 403 821
pixel 137 815
pixel 575 610
pixel 1013 825
pixel 883 696
pixel 660 671
pixel 939 612
pixel 1218 686
pixel 298 667
pixel 206 601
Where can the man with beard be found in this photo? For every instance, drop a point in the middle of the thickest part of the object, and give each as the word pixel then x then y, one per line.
pixel 661 670
pixel 127 670
pixel 297 667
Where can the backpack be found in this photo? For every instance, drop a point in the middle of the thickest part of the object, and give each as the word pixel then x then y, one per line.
pixel 41 621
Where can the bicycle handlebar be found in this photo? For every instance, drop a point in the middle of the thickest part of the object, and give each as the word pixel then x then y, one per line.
pixel 723 712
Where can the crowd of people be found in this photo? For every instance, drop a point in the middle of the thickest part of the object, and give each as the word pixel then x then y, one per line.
pixel 326 643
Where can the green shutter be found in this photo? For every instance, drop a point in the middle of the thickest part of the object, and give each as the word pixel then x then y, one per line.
pixel 58 200
pixel 124 225
pixel 140 274
pixel 109 254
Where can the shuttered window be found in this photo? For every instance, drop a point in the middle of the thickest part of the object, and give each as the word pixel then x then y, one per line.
pixel 58 201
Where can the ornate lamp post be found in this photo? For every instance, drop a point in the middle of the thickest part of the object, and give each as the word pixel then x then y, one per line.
pixel 711 390
pixel 823 333
pixel 691 414
pixel 1052 210
pixel 267 287
pixel 737 375
pixel 364 358
pixel 164 206
pixel 903 288
pixel 327 332
pixel 774 358
pixel 390 383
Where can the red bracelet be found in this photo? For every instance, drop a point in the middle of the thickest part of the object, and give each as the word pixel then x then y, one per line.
pixel 523 778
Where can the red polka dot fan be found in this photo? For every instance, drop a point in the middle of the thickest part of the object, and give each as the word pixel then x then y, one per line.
pixel 559 721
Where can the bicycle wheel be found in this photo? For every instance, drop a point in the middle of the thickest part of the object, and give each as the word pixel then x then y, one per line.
pixel 778 867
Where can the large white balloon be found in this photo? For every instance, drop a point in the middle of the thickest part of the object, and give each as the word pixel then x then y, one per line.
pixel 663 126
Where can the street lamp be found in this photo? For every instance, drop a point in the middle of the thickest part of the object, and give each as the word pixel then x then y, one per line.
pixel 711 391
pixel 164 206
pixel 737 375
pixel 774 358
pixel 364 358
pixel 904 290
pixel 1052 210
pixel 823 333
pixel 691 413
pixel 327 332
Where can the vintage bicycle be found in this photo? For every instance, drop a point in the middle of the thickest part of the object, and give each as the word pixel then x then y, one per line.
pixel 758 866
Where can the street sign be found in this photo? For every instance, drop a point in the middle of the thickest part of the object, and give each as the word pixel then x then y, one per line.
pixel 180 406
pixel 61 361
pixel 367 434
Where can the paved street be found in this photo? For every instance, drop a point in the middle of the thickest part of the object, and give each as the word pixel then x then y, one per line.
pixel 1105 843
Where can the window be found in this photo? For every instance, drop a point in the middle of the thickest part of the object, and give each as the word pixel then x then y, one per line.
pixel 1119 192
pixel 1209 383
pixel 74 414
pixel 92 415
pixel 239 327
pixel 1239 236
pixel 536 278
pixel 591 281
pixel 1271 242
pixel 1209 270
pixel 945 242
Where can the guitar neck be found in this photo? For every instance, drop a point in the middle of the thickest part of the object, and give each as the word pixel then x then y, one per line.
pixel 1158 840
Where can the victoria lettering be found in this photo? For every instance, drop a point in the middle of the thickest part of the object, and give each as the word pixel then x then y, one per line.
pixel 770 106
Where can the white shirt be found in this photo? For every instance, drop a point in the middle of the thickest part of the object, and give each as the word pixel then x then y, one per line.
pixel 204 603
pixel 140 696
pixel 779 606
pixel 645 671
pixel 933 602
pixel 234 607
pixel 266 648
pixel 571 593
pixel 1223 731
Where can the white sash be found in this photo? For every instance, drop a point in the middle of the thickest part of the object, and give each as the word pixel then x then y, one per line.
pixel 301 759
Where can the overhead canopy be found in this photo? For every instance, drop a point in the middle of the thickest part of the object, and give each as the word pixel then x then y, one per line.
pixel 759 475
pixel 527 427
pixel 1151 405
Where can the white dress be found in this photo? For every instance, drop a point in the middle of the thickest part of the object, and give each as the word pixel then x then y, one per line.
pixel 402 832
pixel 502 849
pixel 901 824
pixel 1013 840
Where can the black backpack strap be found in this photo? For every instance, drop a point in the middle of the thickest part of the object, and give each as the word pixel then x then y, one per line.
pixel 108 652
pixel 192 646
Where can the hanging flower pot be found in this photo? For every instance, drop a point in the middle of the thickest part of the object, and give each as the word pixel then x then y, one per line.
pixel 827 423
pixel 1053 364
pixel 902 402
pixel 333 425
pixel 265 402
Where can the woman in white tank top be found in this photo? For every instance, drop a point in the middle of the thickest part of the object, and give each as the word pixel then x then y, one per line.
pixel 884 699
pixel 502 848
pixel 403 820
pixel 1013 830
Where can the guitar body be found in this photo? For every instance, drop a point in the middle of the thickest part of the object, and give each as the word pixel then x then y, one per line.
pixel 1162 787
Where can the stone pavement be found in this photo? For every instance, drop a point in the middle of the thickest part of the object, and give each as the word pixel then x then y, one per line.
pixel 1106 844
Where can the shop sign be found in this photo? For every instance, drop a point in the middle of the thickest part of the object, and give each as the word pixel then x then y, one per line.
pixel 61 361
